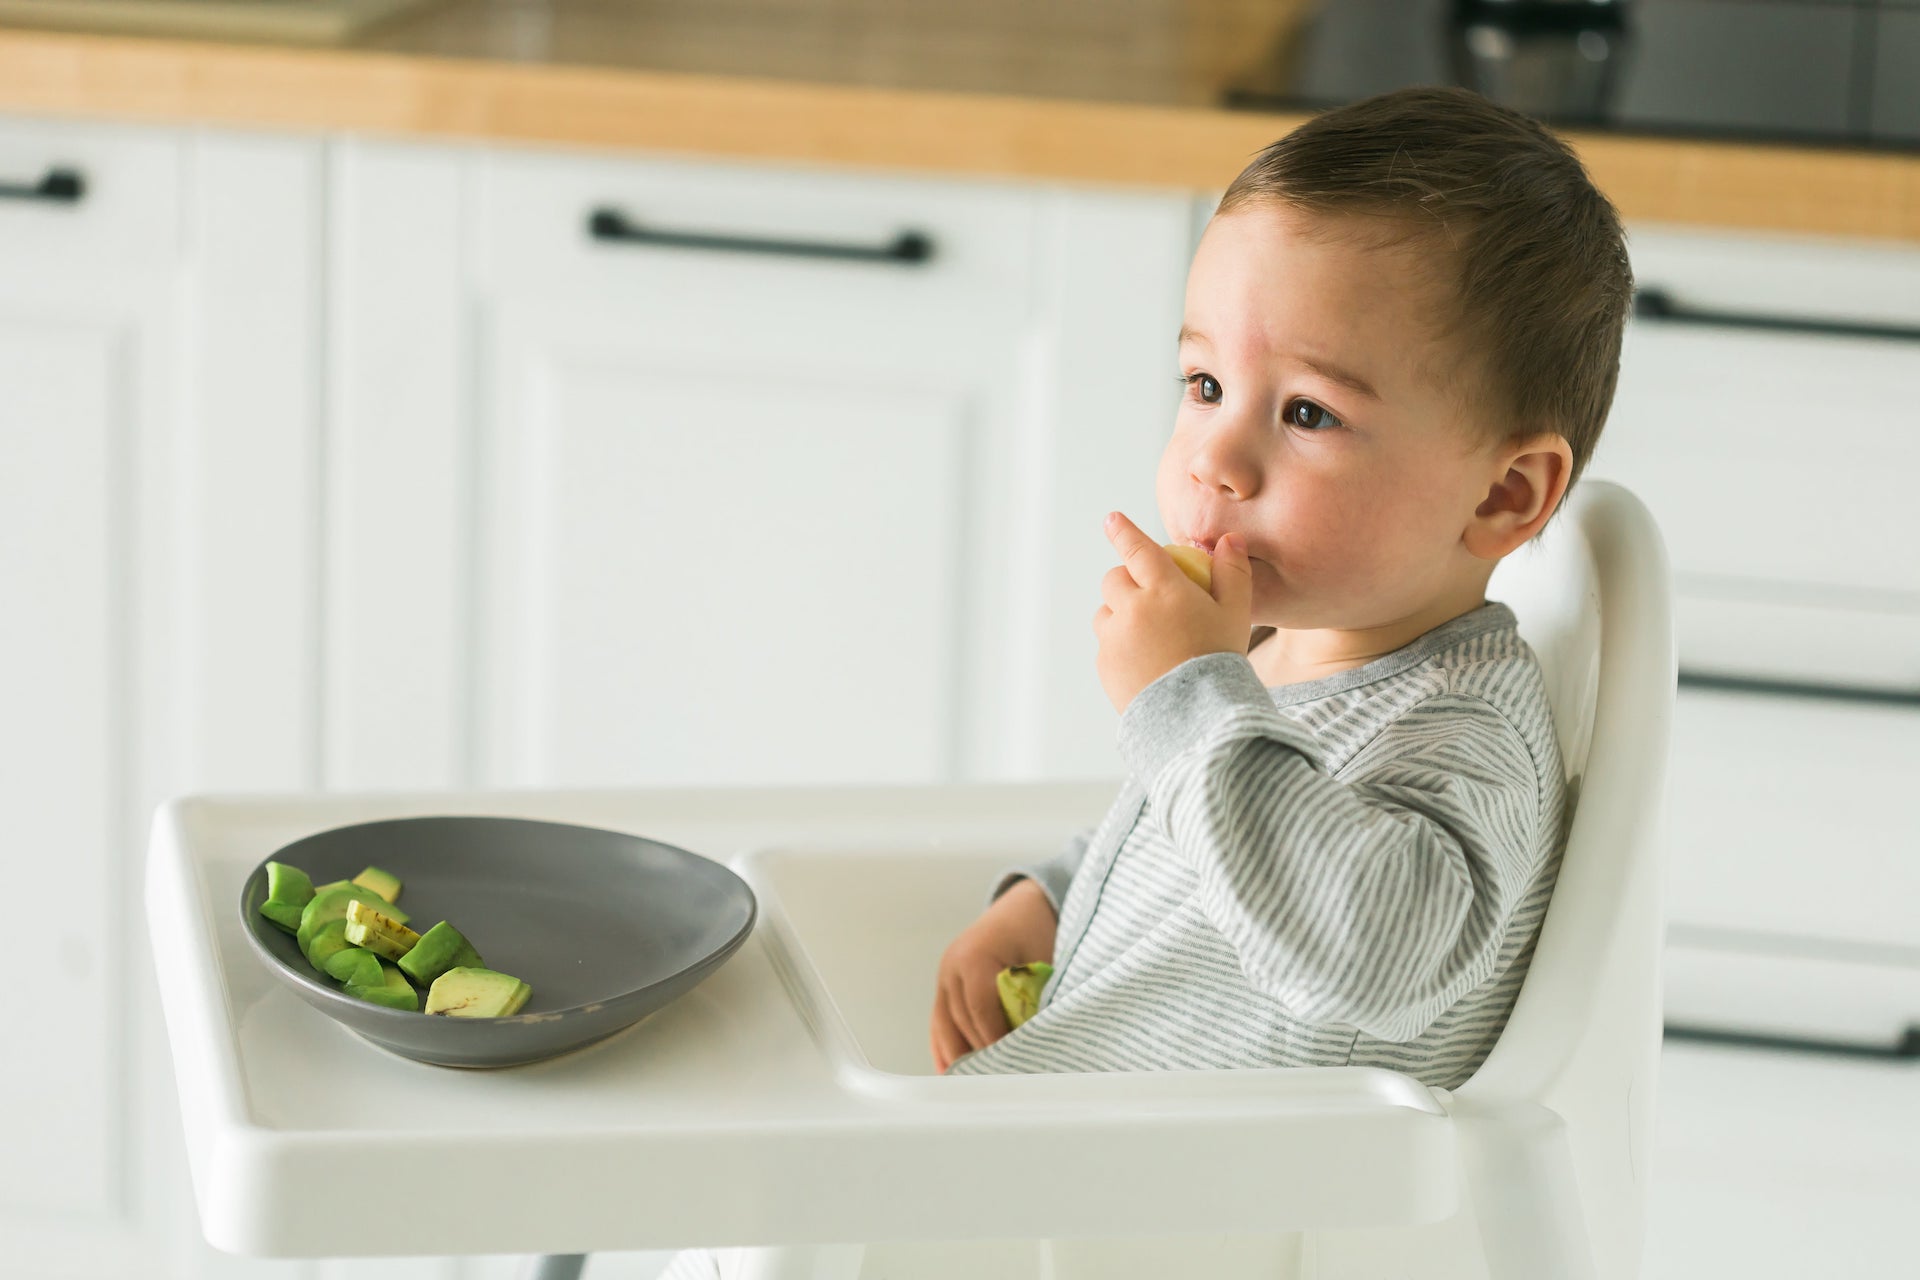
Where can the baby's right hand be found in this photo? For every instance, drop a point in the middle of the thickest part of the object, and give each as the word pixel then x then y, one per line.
pixel 1017 929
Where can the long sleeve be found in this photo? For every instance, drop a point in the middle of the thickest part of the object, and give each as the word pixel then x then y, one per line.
pixel 1374 899
pixel 1053 875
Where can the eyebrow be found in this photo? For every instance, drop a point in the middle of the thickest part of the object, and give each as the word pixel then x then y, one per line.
pixel 1331 372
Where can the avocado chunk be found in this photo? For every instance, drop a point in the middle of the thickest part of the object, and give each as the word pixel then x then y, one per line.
pixel 288 892
pixel 1020 988
pixel 329 905
pixel 477 993
pixel 440 948
pixel 392 989
pixel 344 963
pixel 329 939
pixel 282 914
pixel 379 933
pixel 384 883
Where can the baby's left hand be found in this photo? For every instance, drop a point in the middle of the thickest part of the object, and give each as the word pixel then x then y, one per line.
pixel 1155 617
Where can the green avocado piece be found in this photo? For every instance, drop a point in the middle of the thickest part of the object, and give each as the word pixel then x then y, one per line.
pixel 392 990
pixel 1020 988
pixel 331 884
pixel 477 993
pixel 342 964
pixel 288 884
pixel 384 883
pixel 288 892
pixel 331 904
pixel 283 914
pixel 440 948
pixel 327 941
pixel 366 971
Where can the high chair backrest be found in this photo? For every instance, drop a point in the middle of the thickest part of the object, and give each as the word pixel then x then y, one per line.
pixel 1593 600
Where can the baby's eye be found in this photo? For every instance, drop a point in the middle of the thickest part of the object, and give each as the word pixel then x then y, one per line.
pixel 1309 416
pixel 1209 392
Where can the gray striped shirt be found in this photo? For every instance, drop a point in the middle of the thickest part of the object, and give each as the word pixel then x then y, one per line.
pixel 1348 871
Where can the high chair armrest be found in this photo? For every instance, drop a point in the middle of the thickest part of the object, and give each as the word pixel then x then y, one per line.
pixel 1520 1176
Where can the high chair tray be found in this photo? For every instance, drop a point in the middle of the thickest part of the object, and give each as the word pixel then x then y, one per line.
pixel 788 1099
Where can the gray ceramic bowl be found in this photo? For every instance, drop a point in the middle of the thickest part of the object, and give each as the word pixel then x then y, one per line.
pixel 605 927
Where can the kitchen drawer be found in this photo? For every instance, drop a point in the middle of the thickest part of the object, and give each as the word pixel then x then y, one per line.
pixel 1849 642
pixel 1772 450
pixel 1795 816
pixel 1794 867
pixel 1779 1166
pixel 126 215
pixel 750 228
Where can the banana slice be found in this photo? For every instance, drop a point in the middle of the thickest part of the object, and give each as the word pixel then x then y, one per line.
pixel 380 934
pixel 1193 562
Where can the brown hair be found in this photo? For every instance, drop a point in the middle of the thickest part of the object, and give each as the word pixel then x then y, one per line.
pixel 1541 280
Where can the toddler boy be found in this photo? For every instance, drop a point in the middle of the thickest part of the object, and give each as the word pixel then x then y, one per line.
pixel 1340 830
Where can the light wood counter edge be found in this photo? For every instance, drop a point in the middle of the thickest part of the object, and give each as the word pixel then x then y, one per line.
pixel 1777 188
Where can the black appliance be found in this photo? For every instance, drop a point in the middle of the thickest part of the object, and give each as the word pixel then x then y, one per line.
pixel 1830 72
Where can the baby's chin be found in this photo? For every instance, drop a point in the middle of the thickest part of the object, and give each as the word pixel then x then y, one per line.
pixel 1291 607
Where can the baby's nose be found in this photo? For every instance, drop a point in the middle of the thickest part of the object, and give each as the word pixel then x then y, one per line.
pixel 1223 466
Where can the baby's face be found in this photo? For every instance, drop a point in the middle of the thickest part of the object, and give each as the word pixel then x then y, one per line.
pixel 1318 424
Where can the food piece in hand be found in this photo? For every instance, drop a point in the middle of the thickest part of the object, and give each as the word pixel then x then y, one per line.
pixel 384 883
pixel 1193 562
pixel 440 948
pixel 379 933
pixel 327 941
pixel 331 904
pixel 392 988
pixel 477 993
pixel 1020 988
pixel 288 893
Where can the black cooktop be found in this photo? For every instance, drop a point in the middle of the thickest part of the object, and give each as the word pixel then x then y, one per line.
pixel 1827 72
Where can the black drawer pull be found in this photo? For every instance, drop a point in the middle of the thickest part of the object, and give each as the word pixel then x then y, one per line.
pixel 1654 303
pixel 56 186
pixel 908 248
pixel 1799 689
pixel 1904 1049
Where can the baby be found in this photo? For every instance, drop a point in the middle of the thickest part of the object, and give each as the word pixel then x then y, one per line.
pixel 1345 802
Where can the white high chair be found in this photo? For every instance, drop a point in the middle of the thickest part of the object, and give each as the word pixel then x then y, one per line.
pixel 1550 1138
pixel 788 1103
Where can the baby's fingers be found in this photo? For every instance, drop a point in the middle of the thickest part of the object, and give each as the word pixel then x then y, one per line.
pixel 1146 561
pixel 983 1006
pixel 946 1041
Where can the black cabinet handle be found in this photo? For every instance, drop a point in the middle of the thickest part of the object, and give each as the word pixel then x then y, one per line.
pixel 908 248
pixel 1654 303
pixel 56 186
pixel 1904 1049
pixel 1800 689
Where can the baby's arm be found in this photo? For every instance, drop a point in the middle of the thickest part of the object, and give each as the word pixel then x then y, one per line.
pixel 1017 929
pixel 1052 875
pixel 1373 901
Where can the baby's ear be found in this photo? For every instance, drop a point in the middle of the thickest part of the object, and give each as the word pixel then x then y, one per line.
pixel 1526 481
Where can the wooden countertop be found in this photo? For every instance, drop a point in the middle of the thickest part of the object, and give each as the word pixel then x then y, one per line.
pixel 1102 91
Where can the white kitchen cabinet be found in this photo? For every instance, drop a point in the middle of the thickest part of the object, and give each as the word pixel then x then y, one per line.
pixel 1778 1166
pixel 1769 421
pixel 722 509
pixel 156 429
pixel 1766 414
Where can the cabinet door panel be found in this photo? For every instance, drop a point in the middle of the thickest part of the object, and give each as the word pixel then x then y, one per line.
pixel 1769 454
pixel 707 573
pixel 62 674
